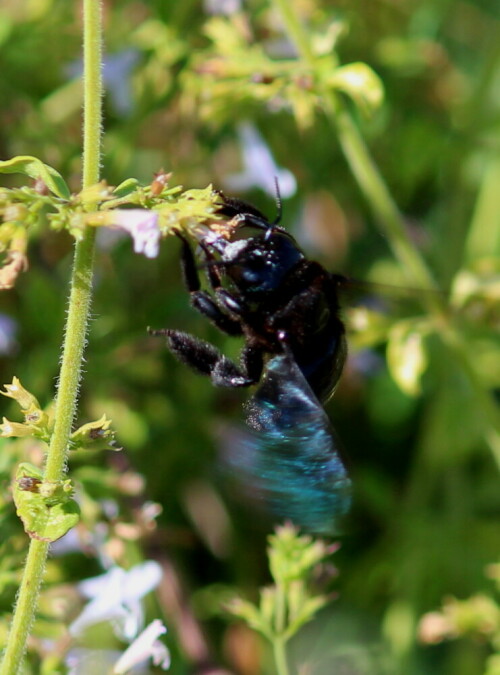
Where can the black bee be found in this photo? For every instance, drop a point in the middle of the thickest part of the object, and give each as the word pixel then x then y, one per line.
pixel 286 308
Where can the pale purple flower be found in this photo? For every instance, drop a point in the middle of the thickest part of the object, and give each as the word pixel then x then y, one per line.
pixel 8 329
pixel 116 596
pixel 259 167
pixel 117 71
pixel 116 74
pixel 69 543
pixel 226 7
pixel 146 646
pixel 142 225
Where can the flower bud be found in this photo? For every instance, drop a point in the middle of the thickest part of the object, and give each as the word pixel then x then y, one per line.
pixel 23 397
pixel 95 436
pixel 14 429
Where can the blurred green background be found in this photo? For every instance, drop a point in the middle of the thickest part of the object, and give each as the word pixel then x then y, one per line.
pixel 425 520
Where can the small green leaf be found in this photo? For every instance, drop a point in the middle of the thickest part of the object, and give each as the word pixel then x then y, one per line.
pixel 46 509
pixel 126 187
pixel 406 355
pixel 325 42
pixel 35 168
pixel 251 615
pixel 361 83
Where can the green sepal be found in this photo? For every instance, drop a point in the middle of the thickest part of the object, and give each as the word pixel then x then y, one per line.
pixel 46 509
pixel 22 396
pixel 36 169
pixel 95 435
pixel 126 187
pixel 36 421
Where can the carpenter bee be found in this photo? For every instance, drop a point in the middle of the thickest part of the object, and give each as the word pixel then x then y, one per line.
pixel 286 308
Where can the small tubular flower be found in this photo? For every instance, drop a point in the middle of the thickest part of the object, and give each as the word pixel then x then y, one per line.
pixel 145 646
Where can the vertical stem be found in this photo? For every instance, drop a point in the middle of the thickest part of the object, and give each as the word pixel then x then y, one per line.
pixel 74 341
pixel 24 614
pixel 92 93
pixel 380 199
pixel 279 654
pixel 69 377
pixel 279 642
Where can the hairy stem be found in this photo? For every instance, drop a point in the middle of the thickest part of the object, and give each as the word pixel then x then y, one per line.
pixel 92 93
pixel 74 341
pixel 26 602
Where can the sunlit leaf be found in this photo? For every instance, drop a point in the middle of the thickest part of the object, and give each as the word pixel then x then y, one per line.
pixel 35 168
pixel 406 355
pixel 126 187
pixel 360 83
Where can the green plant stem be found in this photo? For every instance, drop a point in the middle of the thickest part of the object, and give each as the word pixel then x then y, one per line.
pixel 378 196
pixel 279 641
pixel 69 378
pixel 24 614
pixel 92 92
pixel 392 225
pixel 74 341
pixel 279 653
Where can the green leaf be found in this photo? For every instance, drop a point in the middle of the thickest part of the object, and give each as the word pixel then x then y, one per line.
pixel 406 355
pixel 35 168
pixel 361 83
pixel 483 239
pixel 46 509
pixel 126 187
pixel 251 615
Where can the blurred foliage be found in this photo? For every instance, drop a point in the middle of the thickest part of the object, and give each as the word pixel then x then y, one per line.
pixel 180 82
pixel 477 618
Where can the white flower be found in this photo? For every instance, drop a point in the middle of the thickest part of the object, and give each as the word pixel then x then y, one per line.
pixel 142 225
pixel 260 169
pixel 8 329
pixel 144 647
pixel 116 596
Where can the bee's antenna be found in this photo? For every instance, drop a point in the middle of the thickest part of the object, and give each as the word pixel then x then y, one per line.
pixel 279 203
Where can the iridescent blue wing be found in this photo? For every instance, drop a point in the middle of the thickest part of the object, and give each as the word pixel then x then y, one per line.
pixel 286 456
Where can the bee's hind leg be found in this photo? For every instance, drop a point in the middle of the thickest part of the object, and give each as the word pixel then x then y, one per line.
pixel 206 359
